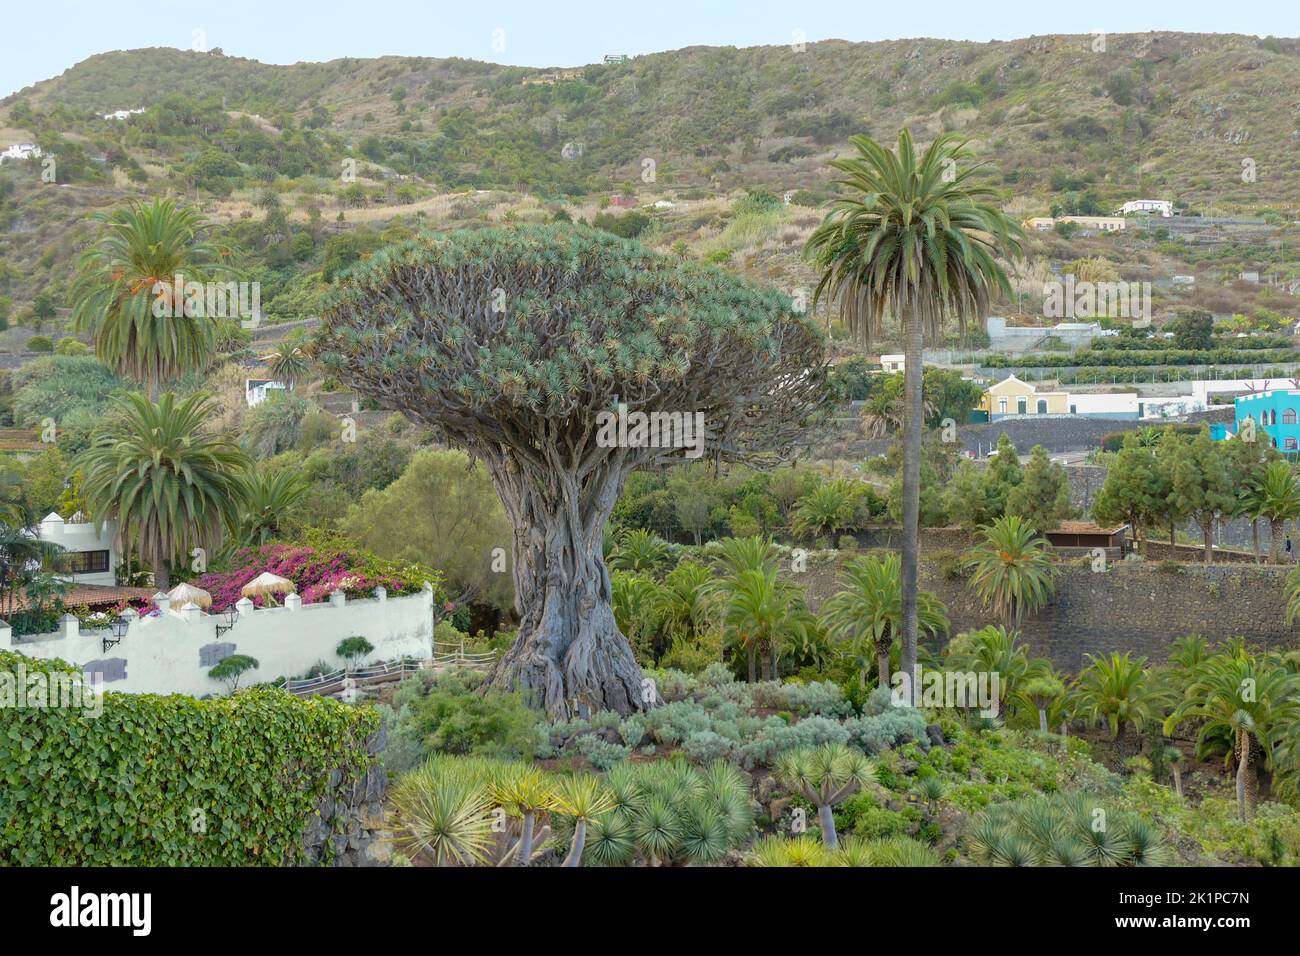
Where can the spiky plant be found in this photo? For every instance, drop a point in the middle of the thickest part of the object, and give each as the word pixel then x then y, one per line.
pixel 827 509
pixel 527 793
pixel 443 808
pixel 825 776
pixel 268 498
pixel 639 550
pixel 802 850
pixel 288 362
pixel 1115 690
pixel 1075 829
pixel 682 602
pixel 580 798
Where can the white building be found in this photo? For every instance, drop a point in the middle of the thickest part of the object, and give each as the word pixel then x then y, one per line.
pixel 256 390
pixel 123 114
pixel 893 363
pixel 21 151
pixel 1163 207
pixel 92 556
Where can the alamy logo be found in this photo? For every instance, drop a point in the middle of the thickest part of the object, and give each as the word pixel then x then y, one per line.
pixel 624 429
pixel 939 689
pixel 22 689
pixel 103 909
pixel 1069 299
pixel 206 300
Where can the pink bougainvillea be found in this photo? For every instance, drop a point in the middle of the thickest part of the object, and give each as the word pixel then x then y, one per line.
pixel 316 571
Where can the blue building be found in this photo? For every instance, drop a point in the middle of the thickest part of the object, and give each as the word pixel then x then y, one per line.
pixel 1275 413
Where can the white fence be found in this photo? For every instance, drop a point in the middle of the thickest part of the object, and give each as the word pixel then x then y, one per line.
pixel 173 651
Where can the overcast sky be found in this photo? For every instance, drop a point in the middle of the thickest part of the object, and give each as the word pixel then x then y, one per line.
pixel 40 40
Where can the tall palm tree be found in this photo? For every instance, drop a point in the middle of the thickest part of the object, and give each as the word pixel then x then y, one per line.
pixel 1275 495
pixel 917 239
pixel 170 484
pixel 267 498
pixel 1013 569
pixel 868 611
pixel 1255 701
pixel 682 602
pixel 288 363
pixel 134 264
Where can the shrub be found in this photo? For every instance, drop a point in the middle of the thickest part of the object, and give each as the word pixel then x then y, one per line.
pixel 601 753
pixel 40 343
pixel 704 747
pixel 130 786
pixel 894 727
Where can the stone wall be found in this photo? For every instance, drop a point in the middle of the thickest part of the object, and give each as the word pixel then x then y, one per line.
pixel 358 807
pixel 1132 606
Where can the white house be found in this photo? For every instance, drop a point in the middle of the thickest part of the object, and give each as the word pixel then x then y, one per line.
pixel 92 556
pixel 1163 207
pixel 123 114
pixel 893 363
pixel 256 390
pixel 21 151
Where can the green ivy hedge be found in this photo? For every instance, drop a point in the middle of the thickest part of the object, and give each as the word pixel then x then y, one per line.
pixel 171 781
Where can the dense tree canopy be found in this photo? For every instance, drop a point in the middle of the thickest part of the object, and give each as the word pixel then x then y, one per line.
pixel 517 344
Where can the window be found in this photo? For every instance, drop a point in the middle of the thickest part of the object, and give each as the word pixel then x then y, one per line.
pixel 1272 417
pixel 1290 444
pixel 1002 405
pixel 88 562
pixel 1021 406
pixel 1042 406
pixel 1288 416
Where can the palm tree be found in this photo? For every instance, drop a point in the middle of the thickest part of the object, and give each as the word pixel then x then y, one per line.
pixel 1276 496
pixel 682 601
pixel 918 240
pixel 288 363
pixel 639 550
pixel 825 776
pixel 993 650
pixel 886 414
pixel 828 508
pixel 1013 569
pixel 130 268
pixel 761 611
pixel 1114 689
pixel 170 485
pixel 868 611
pixel 1255 701
pixel 267 498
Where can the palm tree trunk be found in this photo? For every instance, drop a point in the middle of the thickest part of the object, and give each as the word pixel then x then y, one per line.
pixel 1275 540
pixel 1178 781
pixel 1243 763
pixel 882 666
pixel 1207 529
pixel 1042 719
pixel 751 652
pixel 1254 533
pixel 912 376
pixel 161 576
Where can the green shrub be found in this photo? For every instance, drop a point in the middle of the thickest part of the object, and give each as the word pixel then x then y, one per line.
pixel 40 343
pixel 171 781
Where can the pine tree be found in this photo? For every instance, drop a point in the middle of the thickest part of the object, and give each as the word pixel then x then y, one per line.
pixel 1043 496
pixel 1202 485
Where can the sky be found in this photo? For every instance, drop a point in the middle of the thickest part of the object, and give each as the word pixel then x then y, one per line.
pixel 41 40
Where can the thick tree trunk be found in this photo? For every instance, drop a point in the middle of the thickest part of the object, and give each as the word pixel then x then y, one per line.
pixel 882 665
pixel 1207 530
pixel 752 655
pixel 1275 539
pixel 570 656
pixel 912 376
pixel 579 842
pixel 162 578
pixel 1254 533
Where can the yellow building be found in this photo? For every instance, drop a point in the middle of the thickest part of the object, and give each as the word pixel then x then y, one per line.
pixel 1011 396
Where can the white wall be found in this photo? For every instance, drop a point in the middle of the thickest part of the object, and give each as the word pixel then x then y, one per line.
pixel 162 654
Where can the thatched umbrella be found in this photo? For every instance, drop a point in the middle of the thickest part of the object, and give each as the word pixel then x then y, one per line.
pixel 267 585
pixel 186 593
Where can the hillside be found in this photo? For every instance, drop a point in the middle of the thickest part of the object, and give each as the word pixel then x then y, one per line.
pixel 378 148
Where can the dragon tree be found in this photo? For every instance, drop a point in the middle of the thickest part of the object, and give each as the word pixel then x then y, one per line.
pixel 563 358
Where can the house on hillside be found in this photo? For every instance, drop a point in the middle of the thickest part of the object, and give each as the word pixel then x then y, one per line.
pixel 1161 207
pixel 1011 396
pixel 893 364
pixel 1078 536
pixel 623 202
pixel 258 390
pixel 91 554
pixel 1275 413
pixel 21 151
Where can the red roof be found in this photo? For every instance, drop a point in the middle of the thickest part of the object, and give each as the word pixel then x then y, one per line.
pixel 93 595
